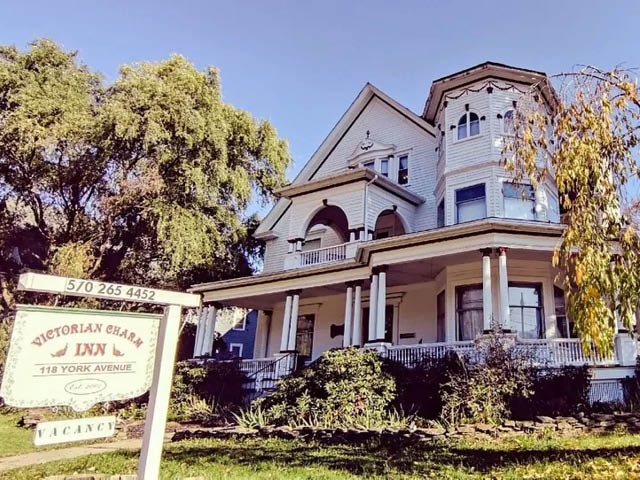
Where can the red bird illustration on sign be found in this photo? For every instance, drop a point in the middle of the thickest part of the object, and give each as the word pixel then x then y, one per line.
pixel 117 352
pixel 60 353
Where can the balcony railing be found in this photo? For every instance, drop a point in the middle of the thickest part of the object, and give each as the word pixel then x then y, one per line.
pixel 318 256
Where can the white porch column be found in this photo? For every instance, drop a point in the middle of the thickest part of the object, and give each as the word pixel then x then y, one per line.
pixel 200 326
pixel 293 328
pixel 299 245
pixel 210 331
pixel 357 316
pixel 505 312
pixel 373 307
pixel 382 304
pixel 352 236
pixel 286 322
pixel 487 306
pixel 348 313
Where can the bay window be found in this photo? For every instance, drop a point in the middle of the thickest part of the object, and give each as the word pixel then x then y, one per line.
pixel 469 311
pixel 471 203
pixel 519 201
pixel 526 312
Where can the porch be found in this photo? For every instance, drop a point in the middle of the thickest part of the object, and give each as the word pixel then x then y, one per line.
pixel 422 295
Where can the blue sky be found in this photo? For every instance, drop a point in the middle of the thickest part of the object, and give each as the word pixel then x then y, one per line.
pixel 301 63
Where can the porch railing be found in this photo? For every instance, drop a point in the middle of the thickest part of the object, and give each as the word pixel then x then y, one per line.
pixel 410 355
pixel 324 255
pixel 264 373
pixel 563 351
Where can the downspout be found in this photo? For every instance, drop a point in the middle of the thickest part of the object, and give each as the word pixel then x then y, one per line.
pixel 366 203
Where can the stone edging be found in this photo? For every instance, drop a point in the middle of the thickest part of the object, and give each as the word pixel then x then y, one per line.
pixel 594 423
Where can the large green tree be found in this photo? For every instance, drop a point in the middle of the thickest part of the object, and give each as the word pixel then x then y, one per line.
pixel 144 180
pixel 588 141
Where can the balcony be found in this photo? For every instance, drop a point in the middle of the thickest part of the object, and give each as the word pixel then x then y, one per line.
pixel 321 256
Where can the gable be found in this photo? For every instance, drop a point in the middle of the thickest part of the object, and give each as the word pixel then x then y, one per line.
pixel 372 107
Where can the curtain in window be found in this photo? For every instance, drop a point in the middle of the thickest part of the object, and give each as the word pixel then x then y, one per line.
pixel 462 127
pixel 470 312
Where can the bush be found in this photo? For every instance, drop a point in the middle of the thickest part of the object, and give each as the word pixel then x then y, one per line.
pixel 419 387
pixel 215 382
pixel 344 387
pixel 481 392
pixel 555 392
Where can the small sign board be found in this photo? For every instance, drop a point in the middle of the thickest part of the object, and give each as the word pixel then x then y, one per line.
pixel 78 357
pixel 75 430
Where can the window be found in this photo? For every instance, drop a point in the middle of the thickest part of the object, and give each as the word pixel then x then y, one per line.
pixel 236 349
pixel 469 311
pixel 311 244
pixel 371 165
pixel 240 323
pixel 468 125
pixel 525 305
pixel 507 122
pixel 441 213
pixel 403 169
pixel 554 209
pixel 519 201
pixel 388 323
pixel 304 337
pixel 470 203
pixel 384 167
pixel 565 326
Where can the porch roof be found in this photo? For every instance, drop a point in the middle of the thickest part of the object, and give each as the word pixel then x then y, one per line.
pixel 442 242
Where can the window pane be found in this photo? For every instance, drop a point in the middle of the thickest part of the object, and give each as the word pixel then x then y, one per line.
pixel 403 170
pixel 507 122
pixel 525 296
pixel 518 190
pixel 474 124
pixel 522 209
pixel 462 127
pixel 370 165
pixel 384 167
pixel 473 210
pixel 470 193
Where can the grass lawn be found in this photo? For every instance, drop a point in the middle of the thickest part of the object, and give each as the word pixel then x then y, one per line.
pixel 592 457
pixel 14 440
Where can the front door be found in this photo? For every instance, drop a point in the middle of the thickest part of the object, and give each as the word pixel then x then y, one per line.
pixel 388 324
pixel 304 337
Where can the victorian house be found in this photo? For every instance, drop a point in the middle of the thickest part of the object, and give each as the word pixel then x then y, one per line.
pixel 404 233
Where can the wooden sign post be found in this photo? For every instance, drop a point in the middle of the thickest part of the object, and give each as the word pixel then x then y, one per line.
pixel 165 347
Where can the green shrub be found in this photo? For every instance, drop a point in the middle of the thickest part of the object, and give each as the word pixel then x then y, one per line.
pixel 419 386
pixel 342 387
pixel 481 392
pixel 631 390
pixel 554 392
pixel 215 382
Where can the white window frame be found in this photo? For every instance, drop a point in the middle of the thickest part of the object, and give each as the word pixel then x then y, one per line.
pixel 397 169
pixel 244 324
pixel 232 345
pixel 455 202
pixel 468 127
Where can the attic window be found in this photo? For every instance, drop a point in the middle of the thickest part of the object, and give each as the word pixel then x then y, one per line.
pixel 468 125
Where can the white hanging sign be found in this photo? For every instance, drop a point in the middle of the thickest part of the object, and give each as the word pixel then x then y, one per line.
pixel 75 430
pixel 78 357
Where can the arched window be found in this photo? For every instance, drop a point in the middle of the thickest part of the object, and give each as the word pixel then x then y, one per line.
pixel 507 122
pixel 468 125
